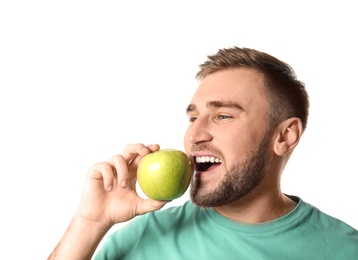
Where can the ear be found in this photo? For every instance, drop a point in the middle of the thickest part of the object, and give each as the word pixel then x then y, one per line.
pixel 287 136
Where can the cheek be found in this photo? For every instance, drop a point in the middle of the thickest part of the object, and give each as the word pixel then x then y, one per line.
pixel 238 145
pixel 186 142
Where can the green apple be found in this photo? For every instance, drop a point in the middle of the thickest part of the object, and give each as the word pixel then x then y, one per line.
pixel 164 174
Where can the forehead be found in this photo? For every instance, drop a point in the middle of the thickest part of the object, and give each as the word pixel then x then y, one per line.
pixel 244 86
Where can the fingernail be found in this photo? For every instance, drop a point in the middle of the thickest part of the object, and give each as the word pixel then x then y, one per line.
pixel 124 183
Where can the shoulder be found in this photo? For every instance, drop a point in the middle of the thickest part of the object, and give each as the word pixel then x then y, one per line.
pixel 312 228
pixel 328 225
pixel 322 219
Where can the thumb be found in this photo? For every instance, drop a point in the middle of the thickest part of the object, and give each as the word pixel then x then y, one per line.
pixel 148 205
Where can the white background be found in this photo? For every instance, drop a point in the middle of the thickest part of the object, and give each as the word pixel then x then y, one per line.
pixel 81 79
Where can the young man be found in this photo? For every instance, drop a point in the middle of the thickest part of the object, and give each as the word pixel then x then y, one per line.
pixel 246 118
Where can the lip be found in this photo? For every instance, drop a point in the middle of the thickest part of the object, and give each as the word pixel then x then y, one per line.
pixel 206 177
pixel 202 153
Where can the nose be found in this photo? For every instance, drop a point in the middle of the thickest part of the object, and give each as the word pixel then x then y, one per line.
pixel 198 132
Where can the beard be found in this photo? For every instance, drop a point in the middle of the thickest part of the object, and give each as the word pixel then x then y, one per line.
pixel 238 182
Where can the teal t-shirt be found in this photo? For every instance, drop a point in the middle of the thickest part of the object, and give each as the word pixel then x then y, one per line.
pixel 190 232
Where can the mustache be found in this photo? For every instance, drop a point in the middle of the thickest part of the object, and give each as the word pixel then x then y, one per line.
pixel 206 147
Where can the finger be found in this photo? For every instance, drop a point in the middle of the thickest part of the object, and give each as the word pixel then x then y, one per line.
pixel 143 152
pixel 131 151
pixel 147 205
pixel 153 147
pixel 134 152
pixel 103 171
pixel 120 165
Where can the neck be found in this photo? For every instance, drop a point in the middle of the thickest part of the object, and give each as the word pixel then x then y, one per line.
pixel 258 209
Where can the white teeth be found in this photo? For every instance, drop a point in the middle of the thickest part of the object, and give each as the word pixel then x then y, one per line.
pixel 204 159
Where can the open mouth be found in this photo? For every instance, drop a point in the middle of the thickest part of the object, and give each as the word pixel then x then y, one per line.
pixel 206 163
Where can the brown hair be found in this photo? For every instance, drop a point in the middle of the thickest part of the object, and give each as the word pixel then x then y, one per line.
pixel 287 95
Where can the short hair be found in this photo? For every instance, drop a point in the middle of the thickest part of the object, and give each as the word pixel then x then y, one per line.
pixel 287 96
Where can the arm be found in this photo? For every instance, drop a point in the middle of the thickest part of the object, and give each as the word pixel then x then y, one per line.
pixel 109 197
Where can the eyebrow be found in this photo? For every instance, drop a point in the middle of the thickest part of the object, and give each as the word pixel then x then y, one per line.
pixel 216 104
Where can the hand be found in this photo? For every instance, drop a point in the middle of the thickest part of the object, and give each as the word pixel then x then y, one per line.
pixel 109 195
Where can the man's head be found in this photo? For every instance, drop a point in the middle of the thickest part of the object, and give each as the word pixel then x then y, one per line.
pixel 287 95
pixel 246 117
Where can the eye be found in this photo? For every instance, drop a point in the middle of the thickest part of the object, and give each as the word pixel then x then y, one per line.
pixel 223 117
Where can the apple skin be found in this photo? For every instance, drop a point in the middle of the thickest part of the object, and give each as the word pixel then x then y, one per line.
pixel 164 174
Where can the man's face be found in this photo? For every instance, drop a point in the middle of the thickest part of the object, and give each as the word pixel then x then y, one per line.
pixel 227 136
